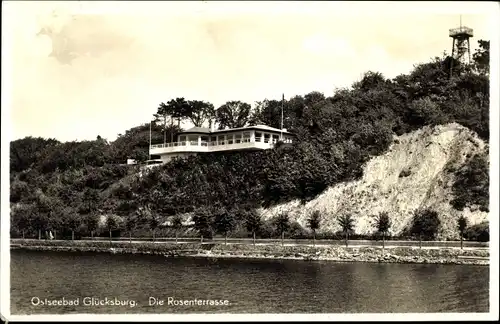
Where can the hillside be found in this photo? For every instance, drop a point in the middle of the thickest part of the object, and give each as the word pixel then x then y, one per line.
pixel 417 142
pixel 414 173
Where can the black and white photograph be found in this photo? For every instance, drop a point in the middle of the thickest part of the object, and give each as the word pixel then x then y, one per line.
pixel 249 160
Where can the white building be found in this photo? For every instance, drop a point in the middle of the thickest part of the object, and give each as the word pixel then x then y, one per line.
pixel 199 140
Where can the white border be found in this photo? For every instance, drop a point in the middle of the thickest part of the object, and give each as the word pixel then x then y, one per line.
pixel 494 156
pixel 5 182
pixel 491 8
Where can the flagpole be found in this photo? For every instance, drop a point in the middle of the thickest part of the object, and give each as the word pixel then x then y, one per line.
pixel 149 151
pixel 282 101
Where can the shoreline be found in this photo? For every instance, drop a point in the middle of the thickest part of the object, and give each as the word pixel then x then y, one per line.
pixel 271 252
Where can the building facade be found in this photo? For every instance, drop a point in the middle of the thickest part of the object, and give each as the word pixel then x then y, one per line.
pixel 199 140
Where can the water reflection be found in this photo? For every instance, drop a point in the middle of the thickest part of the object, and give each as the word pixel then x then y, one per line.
pixel 264 286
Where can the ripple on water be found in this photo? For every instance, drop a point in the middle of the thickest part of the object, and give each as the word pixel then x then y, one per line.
pixel 252 285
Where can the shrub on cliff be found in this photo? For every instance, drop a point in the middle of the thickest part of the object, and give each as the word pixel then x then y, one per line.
pixel 472 184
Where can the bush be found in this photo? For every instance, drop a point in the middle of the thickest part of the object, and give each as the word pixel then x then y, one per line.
pixel 472 184
pixel 425 224
pixel 404 173
pixel 479 232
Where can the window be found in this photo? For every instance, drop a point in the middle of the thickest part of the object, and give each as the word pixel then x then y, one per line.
pixel 238 138
pixel 246 137
pixel 258 136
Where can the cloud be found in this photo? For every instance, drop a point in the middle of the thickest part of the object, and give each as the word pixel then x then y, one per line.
pixel 83 36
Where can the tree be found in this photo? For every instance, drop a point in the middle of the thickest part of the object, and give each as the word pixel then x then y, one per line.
pixel 370 80
pixel 18 191
pixel 134 144
pixel 472 183
pixel 130 224
pixel 425 224
pixel 90 201
pixel 282 224
pixel 313 98
pixel 92 223
pixel 233 114
pixel 383 223
pixel 177 225
pixel 346 222
pixel 313 223
pixel 27 151
pixel 40 222
pixel 199 112
pixel 202 223
pixel 253 223
pixel 425 111
pixel 268 112
pixel 179 109
pixel 21 217
pixel 154 222
pixel 45 207
pixel 462 227
pixel 478 232
pixel 73 222
pixel 224 222
pixel 111 225
pixel 482 57
pixel 174 109
pixel 162 115
pixel 56 220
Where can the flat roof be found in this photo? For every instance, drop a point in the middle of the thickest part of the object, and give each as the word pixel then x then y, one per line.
pixel 203 130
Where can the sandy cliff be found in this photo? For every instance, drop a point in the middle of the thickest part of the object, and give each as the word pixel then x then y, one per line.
pixel 414 173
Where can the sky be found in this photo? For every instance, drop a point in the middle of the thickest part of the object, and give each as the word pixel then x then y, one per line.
pixel 80 69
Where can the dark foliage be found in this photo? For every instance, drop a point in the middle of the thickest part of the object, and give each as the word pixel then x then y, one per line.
pixel 425 224
pixel 335 136
pixel 479 232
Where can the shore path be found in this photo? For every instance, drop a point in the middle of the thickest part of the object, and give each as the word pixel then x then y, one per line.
pixel 319 243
